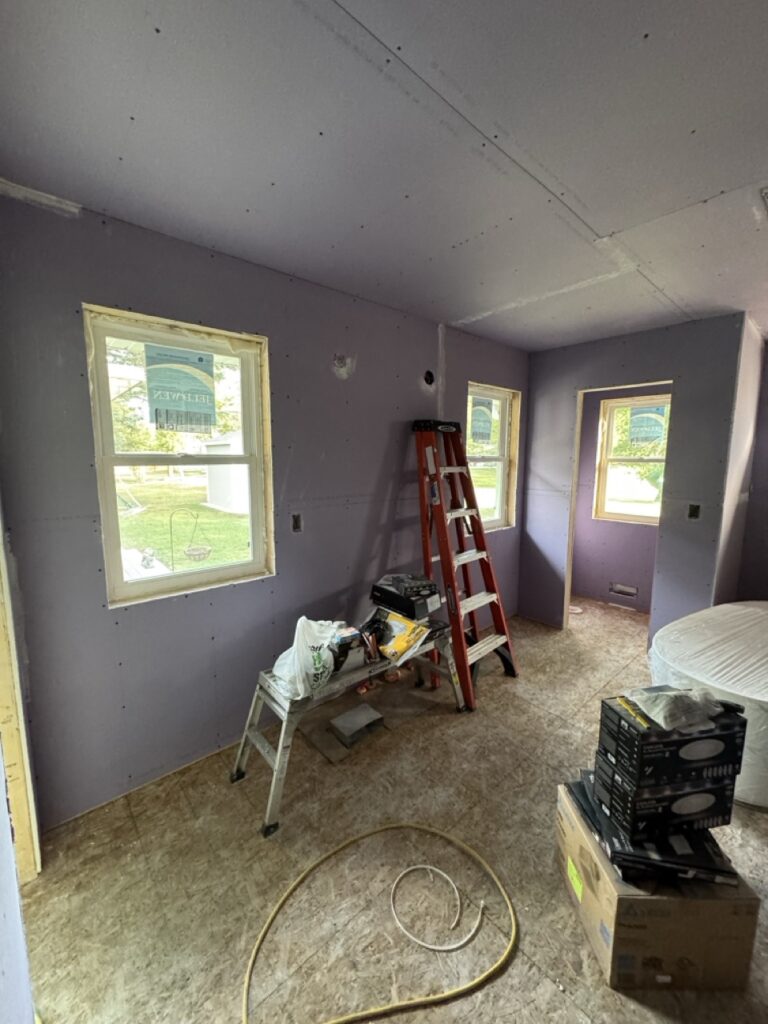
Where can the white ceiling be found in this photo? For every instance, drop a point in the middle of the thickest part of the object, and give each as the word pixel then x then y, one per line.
pixel 542 173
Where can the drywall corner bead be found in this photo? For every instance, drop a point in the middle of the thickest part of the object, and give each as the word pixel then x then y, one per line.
pixel 22 194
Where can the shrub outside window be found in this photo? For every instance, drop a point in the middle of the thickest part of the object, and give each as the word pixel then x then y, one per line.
pixel 181 428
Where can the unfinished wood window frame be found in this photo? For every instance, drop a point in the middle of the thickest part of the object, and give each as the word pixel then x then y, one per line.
pixel 252 351
pixel 14 743
pixel 509 455
pixel 608 407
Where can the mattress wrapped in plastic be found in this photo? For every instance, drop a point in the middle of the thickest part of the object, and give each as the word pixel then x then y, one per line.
pixel 724 648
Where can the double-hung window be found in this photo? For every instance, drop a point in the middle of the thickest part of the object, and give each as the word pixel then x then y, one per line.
pixel 182 440
pixel 492 439
pixel 632 450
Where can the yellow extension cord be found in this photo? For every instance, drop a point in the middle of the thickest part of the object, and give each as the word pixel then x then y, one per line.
pixel 406 1004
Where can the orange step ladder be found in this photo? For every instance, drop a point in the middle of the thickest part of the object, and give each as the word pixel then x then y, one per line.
pixel 458 508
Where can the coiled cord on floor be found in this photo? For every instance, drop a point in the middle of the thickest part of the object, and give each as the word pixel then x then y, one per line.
pixel 406 1004
pixel 450 947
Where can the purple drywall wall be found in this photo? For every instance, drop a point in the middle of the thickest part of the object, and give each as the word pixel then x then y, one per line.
pixel 119 697
pixel 606 552
pixel 702 360
pixel 753 576
pixel 15 986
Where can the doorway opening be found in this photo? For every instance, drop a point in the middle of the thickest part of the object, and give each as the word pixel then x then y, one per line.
pixel 616 499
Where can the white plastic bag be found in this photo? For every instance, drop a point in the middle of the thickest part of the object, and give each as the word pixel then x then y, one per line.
pixel 306 667
pixel 677 709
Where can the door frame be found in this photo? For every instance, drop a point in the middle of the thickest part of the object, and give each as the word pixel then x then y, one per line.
pixel 13 729
pixel 575 476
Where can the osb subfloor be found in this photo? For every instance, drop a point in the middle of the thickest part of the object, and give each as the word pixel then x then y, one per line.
pixel 148 908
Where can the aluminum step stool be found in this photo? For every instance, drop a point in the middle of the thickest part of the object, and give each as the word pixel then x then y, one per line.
pixel 290 712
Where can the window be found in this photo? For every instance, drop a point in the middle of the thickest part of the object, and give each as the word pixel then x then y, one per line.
pixel 181 427
pixel 632 450
pixel 493 427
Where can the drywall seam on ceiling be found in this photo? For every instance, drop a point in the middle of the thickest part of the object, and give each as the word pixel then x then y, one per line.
pixel 489 140
pixel 32 196
pixel 528 300
pixel 625 260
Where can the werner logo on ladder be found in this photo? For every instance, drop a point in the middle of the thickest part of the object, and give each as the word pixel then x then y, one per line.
pixel 458 508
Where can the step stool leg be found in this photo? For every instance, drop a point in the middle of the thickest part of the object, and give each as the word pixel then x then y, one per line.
pixel 282 756
pixel 243 751
pixel 446 651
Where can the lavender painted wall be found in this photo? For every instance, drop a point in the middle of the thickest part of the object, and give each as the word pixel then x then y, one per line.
pixel 702 359
pixel 753 576
pixel 119 697
pixel 609 552
pixel 15 986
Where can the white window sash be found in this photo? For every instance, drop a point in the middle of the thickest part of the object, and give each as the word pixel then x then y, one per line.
pixel 251 351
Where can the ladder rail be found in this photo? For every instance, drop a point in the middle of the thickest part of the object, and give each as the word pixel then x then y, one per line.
pixel 486 566
pixel 441 506
pixel 437 501
pixel 461 531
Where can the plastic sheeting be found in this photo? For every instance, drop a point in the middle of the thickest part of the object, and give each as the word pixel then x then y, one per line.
pixel 724 649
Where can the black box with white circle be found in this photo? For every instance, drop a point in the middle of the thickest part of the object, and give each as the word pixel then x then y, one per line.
pixel 643 812
pixel 647 755
pixel 413 596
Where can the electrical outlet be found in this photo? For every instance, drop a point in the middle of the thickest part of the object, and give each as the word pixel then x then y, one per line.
pixel 297 523
pixel 694 511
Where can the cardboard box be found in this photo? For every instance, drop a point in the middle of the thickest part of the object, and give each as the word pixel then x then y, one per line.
pixel 645 811
pixel 652 756
pixel 690 936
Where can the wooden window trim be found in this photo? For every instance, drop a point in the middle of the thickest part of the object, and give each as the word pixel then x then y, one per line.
pixel 510 457
pixel 257 448
pixel 604 460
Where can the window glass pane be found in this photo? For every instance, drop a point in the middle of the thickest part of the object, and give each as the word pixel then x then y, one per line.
pixel 166 399
pixel 633 490
pixel 486 429
pixel 639 431
pixel 177 519
pixel 487 478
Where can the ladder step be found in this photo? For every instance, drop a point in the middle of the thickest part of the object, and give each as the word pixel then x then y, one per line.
pixel 453 469
pixel 485 646
pixel 471 604
pixel 460 513
pixel 263 746
pixel 462 557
